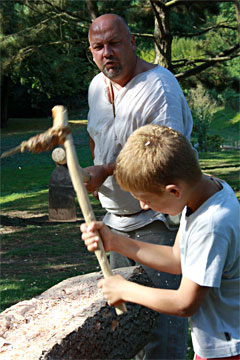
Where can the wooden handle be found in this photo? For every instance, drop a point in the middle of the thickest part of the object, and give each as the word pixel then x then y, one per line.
pixel 83 199
pixel 76 174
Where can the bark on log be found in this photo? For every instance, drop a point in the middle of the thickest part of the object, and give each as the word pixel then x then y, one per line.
pixel 72 321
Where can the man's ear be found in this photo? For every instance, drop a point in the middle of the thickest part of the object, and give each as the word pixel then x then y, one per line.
pixel 174 190
pixel 133 42
pixel 90 49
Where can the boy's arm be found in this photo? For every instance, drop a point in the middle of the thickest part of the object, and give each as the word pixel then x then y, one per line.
pixel 159 257
pixel 183 302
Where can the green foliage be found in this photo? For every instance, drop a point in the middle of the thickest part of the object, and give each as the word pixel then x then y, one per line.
pixel 202 107
pixel 146 54
pixel 194 13
pixel 44 47
pixel 186 48
pixel 46 51
pixel 230 98
pixel 60 78
pixel 215 29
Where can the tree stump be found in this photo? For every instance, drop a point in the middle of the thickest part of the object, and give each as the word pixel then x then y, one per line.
pixel 73 321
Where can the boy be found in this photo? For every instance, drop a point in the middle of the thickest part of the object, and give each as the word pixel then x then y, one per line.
pixel 159 167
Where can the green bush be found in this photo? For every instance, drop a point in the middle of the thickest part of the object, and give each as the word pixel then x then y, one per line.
pixel 202 106
pixel 230 98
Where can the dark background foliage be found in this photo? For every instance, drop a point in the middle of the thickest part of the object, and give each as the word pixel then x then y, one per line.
pixel 45 58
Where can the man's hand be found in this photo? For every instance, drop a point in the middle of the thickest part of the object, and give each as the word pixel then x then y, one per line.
pixel 98 174
pixel 113 288
pixel 91 238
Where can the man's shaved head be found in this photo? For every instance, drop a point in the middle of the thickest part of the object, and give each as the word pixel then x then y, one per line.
pixel 113 47
pixel 113 19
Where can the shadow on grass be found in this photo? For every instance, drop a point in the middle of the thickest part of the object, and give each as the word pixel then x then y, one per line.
pixel 34 259
pixel 22 201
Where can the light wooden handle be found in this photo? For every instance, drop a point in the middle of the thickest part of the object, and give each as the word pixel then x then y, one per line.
pixel 76 173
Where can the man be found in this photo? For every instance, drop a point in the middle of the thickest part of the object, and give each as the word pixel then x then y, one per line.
pixel 128 93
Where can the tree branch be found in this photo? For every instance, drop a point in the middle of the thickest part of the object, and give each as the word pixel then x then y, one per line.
pixel 156 13
pixel 29 50
pixel 29 29
pixel 183 2
pixel 203 31
pixel 66 13
pixel 225 55
pixel 172 3
pixel 151 36
pixel 92 9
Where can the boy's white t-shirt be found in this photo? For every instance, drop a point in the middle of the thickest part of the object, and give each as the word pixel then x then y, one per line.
pixel 210 250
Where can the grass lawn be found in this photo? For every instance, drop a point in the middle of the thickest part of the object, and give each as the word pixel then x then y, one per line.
pixel 226 123
pixel 36 253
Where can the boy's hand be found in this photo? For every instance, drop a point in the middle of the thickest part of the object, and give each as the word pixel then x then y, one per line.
pixel 91 238
pixel 113 288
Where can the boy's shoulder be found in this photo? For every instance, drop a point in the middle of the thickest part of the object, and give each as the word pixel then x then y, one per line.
pixel 218 212
pixel 224 198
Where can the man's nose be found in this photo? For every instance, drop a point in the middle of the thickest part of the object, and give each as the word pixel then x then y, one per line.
pixel 107 51
pixel 144 206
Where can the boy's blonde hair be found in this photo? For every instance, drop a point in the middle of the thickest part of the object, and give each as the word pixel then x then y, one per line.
pixel 155 156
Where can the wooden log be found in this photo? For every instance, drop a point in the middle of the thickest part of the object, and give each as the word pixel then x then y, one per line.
pixel 59 156
pixel 72 321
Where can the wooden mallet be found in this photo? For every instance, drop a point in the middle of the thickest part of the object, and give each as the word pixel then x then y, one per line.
pixel 60 134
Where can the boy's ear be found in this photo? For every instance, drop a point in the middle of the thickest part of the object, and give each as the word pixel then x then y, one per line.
pixel 174 190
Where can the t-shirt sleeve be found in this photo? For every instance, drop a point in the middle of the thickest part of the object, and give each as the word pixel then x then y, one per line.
pixel 169 108
pixel 205 257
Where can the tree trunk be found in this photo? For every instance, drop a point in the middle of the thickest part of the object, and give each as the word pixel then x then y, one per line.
pixel 93 9
pixel 5 88
pixel 237 8
pixel 162 34
pixel 72 321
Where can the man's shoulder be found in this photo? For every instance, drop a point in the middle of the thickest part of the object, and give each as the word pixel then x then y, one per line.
pixel 97 78
pixel 96 84
pixel 155 78
pixel 159 70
